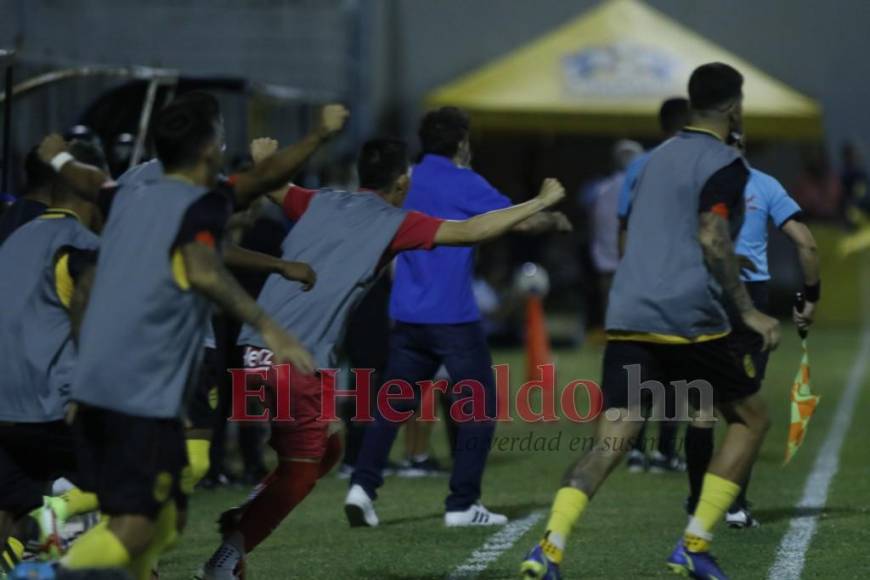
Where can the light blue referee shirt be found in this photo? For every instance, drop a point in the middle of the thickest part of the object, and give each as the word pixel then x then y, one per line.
pixel 766 199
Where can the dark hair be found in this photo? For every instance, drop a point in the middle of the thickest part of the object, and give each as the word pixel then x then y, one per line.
pixel 184 128
pixel 206 103
pixel 381 162
pixel 442 130
pixel 674 115
pixel 714 84
pixel 89 152
pixel 37 173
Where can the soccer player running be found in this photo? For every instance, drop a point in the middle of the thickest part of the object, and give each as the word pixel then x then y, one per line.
pixel 348 238
pixel 44 265
pixel 141 339
pixel 673 116
pixel 437 320
pixel 666 319
pixel 200 416
pixel 766 201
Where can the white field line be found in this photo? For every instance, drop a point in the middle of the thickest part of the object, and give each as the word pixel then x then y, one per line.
pixel 792 552
pixel 497 544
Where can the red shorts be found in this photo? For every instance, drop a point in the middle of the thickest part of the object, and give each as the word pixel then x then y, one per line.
pixel 305 435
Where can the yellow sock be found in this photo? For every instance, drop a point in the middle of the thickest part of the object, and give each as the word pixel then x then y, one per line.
pixel 11 556
pixel 198 464
pixel 567 509
pixel 97 548
pixel 717 494
pixel 165 526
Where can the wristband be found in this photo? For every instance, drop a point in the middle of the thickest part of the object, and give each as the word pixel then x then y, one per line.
pixel 814 292
pixel 61 159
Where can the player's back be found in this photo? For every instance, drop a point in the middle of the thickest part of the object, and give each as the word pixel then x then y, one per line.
pixel 343 236
pixel 662 284
pixel 34 324
pixel 143 322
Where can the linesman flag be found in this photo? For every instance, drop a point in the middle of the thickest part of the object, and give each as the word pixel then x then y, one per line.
pixel 803 401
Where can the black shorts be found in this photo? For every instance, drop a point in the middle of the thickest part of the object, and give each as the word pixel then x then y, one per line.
pixel 729 370
pixel 132 463
pixel 745 340
pixel 204 398
pixel 32 455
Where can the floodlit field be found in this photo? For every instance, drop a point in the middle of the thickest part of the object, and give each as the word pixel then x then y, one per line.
pixel 629 529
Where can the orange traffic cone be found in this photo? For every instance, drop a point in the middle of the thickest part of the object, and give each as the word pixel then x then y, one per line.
pixel 537 337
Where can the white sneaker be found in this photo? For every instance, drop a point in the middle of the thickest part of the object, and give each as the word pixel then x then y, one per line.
pixel 227 563
pixel 476 515
pixel 359 508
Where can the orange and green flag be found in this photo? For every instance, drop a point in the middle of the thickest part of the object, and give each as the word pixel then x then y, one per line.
pixel 803 405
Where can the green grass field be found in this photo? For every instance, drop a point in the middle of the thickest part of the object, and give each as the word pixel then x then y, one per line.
pixel 627 532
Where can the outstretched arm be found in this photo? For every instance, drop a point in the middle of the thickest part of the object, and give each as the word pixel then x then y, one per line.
pixel 724 265
pixel 808 256
pixel 546 221
pixel 208 276
pixel 495 223
pixel 243 259
pixel 277 169
pixel 86 179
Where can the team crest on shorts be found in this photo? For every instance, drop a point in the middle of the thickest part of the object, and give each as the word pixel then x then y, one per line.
pixel 162 486
pixel 749 366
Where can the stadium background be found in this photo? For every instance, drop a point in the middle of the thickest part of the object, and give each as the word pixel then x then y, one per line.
pixel 383 58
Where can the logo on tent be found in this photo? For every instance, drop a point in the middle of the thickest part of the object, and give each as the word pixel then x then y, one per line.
pixel 621 69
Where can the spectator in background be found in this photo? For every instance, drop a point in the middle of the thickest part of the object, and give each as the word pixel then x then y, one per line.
pixel 605 219
pixel 854 181
pixel 817 189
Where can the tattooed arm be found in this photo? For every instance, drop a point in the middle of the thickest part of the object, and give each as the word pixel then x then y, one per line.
pixel 208 276
pixel 713 233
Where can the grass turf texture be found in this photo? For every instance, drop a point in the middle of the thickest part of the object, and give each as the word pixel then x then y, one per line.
pixel 629 528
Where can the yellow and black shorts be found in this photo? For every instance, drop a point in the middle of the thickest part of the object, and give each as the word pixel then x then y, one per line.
pixel 132 463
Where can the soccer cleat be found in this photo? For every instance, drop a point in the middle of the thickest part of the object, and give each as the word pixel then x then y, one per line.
pixel 359 508
pixel 538 567
pixel 699 565
pixel 476 515
pixel 741 518
pixel 227 563
pixel 50 522
pixel 660 463
pixel 413 469
pixel 10 556
pixel 636 461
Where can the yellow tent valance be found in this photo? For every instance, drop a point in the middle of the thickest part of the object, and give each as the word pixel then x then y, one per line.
pixel 607 72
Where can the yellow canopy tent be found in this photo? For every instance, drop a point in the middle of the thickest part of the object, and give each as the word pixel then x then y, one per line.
pixel 607 72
